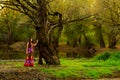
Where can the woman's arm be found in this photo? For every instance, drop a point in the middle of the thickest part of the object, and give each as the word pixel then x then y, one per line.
pixel 36 43
pixel 27 48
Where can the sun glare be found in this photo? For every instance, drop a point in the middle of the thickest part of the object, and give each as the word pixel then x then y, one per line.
pixel 1 6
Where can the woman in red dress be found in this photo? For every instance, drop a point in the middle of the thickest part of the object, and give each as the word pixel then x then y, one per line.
pixel 29 52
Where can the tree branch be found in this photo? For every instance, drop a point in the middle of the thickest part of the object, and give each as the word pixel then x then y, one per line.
pixel 31 5
pixel 14 9
pixel 76 20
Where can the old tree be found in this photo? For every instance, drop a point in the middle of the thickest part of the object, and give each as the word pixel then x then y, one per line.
pixel 47 30
pixel 37 11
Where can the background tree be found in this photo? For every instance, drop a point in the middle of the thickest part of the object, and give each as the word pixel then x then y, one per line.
pixel 13 27
pixel 74 31
pixel 99 30
pixel 111 19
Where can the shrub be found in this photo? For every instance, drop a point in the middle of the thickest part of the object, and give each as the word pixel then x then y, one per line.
pixel 103 56
pixel 114 56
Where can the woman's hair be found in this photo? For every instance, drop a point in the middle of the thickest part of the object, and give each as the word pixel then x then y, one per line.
pixel 29 45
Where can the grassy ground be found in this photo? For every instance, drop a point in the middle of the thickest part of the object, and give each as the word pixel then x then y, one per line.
pixel 82 68
pixel 106 64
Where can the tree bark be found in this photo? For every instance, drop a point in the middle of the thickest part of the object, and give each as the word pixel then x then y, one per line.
pixel 47 50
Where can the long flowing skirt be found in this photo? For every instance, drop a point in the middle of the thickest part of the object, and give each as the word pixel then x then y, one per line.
pixel 29 62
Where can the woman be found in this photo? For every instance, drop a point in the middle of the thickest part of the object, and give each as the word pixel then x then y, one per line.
pixel 29 53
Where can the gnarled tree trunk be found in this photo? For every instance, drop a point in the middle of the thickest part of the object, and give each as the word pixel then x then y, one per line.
pixel 47 51
pixel 47 47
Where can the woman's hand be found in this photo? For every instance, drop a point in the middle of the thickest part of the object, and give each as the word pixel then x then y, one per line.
pixel 36 43
pixel 37 40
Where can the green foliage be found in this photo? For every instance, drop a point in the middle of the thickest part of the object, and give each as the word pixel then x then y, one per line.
pixel 106 59
pixel 70 32
pixel 107 56
pixel 23 33
pixel 73 32
pixel 80 33
pixel 14 28
pixel 62 39
pixel 103 56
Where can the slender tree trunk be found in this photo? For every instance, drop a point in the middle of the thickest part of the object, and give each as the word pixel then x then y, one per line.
pixel 75 43
pixel 88 43
pixel 102 43
pixel 68 42
pixel 112 39
pixel 101 40
pixel 99 34
pixel 80 39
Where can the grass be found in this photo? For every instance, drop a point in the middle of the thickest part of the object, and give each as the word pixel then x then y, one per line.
pixel 78 68
pixel 100 65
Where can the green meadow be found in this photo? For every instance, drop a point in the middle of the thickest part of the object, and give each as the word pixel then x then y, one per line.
pixel 101 65
pixel 96 67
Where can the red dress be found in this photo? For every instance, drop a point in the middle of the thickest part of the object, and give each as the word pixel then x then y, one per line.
pixel 29 59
